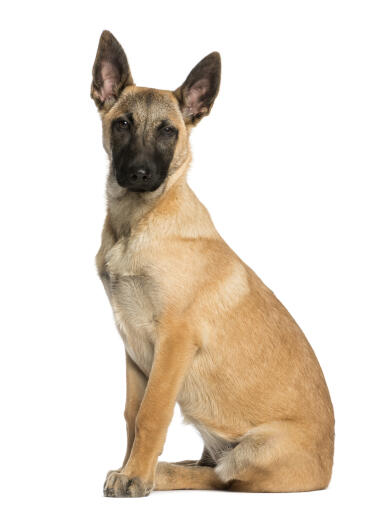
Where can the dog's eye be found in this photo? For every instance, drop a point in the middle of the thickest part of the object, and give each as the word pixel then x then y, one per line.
pixel 122 124
pixel 168 130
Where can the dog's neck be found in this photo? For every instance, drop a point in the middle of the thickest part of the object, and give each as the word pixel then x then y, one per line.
pixel 127 211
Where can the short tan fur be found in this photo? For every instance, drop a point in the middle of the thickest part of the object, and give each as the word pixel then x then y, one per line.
pixel 199 327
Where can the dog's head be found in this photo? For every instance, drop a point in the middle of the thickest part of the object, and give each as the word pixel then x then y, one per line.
pixel 146 131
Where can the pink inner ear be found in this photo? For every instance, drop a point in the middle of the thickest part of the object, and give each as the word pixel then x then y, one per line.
pixel 194 105
pixel 110 77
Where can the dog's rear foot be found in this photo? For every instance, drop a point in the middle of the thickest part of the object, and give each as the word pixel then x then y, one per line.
pixel 186 462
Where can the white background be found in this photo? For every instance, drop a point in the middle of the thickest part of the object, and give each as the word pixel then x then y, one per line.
pixel 289 164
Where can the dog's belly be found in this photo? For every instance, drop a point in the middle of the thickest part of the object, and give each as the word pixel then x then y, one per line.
pixel 132 302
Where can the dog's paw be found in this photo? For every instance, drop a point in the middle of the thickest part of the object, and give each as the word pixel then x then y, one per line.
pixel 115 471
pixel 121 485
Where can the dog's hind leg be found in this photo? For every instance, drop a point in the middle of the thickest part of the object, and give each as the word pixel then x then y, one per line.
pixel 172 476
pixel 281 456
pixel 205 461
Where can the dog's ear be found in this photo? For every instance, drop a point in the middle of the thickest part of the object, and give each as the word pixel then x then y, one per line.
pixel 111 72
pixel 197 94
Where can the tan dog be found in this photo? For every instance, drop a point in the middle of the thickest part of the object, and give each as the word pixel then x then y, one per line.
pixel 199 327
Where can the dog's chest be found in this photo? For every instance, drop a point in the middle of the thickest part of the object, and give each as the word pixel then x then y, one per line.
pixel 133 297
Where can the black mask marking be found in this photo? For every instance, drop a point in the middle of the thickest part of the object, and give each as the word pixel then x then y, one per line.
pixel 141 154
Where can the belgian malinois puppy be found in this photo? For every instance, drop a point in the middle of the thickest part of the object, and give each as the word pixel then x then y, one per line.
pixel 199 327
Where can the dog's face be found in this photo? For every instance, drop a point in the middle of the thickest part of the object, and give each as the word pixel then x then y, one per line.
pixel 145 131
pixel 146 134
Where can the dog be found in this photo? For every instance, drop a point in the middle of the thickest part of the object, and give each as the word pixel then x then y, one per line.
pixel 198 326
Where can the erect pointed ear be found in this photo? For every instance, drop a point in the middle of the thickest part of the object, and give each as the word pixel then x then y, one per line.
pixel 111 71
pixel 197 94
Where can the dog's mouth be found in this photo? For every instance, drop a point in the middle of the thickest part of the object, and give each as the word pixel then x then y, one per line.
pixel 140 180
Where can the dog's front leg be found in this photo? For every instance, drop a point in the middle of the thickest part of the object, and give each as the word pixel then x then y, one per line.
pixel 173 355
pixel 136 383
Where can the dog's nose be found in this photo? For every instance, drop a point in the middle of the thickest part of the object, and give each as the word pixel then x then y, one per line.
pixel 140 176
